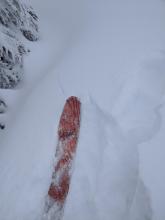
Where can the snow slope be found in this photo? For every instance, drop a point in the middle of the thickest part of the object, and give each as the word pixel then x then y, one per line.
pixel 110 54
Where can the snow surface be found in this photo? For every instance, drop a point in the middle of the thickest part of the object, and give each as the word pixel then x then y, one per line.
pixel 111 55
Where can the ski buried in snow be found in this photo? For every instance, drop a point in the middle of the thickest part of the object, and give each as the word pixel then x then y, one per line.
pixel 68 132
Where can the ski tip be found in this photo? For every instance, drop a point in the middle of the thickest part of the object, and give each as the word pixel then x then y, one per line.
pixel 70 118
pixel 73 99
pixel 73 105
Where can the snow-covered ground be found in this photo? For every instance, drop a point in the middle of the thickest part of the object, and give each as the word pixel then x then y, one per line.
pixel 109 53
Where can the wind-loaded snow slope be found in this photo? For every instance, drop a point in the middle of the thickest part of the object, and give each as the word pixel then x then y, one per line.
pixel 110 55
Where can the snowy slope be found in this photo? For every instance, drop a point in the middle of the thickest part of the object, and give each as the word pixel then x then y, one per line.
pixel 110 51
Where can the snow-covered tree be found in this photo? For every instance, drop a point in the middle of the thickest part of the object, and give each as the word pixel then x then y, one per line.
pixel 17 22
pixel 15 19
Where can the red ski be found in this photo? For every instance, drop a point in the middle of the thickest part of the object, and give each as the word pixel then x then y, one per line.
pixel 68 132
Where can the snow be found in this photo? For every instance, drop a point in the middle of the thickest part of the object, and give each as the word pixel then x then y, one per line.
pixel 110 55
pixel 111 165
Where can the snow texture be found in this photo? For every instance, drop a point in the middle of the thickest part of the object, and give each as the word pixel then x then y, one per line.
pixel 110 54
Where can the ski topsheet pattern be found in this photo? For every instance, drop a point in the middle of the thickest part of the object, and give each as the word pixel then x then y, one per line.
pixel 68 132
